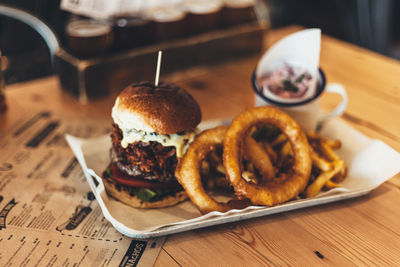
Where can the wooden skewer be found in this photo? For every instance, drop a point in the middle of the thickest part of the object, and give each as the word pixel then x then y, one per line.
pixel 158 67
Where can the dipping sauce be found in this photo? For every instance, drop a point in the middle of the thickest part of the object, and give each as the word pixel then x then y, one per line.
pixel 286 82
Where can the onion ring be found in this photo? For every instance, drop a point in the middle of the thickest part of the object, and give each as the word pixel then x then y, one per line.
pixel 188 170
pixel 278 190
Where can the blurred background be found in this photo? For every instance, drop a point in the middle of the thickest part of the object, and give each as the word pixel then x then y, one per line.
pixel 372 24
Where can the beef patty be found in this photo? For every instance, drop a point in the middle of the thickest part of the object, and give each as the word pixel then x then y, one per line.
pixel 146 160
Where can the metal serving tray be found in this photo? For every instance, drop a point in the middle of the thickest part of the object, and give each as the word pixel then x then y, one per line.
pixel 370 163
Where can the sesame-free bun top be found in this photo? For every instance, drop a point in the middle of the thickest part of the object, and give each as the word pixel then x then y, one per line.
pixel 165 109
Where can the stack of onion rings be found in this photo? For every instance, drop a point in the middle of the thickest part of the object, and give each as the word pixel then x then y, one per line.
pixel 237 144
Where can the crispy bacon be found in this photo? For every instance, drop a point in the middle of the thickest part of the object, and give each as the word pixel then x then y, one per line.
pixel 147 160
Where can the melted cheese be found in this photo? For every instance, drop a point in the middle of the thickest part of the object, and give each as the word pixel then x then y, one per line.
pixel 180 142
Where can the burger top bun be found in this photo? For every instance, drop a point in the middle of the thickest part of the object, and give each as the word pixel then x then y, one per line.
pixel 165 109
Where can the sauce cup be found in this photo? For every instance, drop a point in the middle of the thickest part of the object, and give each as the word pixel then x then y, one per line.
pixel 306 112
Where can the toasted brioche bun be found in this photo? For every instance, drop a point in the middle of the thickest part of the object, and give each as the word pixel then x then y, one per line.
pixel 165 109
pixel 121 193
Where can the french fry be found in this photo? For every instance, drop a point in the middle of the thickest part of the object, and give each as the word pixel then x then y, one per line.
pixel 220 168
pixel 341 175
pixel 286 150
pixel 279 140
pixel 209 182
pixel 313 189
pixel 313 136
pixel 204 167
pixel 255 153
pixel 222 182
pixel 249 167
pixel 335 144
pixel 320 162
pixel 330 185
pixel 216 182
pixel 271 152
pixel 328 152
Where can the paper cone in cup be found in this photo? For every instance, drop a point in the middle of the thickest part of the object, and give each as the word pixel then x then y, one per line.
pixel 299 50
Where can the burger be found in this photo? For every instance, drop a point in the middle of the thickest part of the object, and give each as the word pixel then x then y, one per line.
pixel 152 128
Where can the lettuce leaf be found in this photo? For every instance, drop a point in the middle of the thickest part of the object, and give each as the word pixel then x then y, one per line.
pixel 145 194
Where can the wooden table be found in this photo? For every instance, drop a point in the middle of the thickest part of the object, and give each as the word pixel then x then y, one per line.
pixel 363 231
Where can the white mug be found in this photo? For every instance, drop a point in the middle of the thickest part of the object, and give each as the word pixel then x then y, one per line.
pixel 307 113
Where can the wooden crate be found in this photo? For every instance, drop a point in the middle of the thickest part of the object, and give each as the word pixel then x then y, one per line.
pixel 97 77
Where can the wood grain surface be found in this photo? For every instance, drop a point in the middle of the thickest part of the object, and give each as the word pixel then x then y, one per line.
pixel 362 231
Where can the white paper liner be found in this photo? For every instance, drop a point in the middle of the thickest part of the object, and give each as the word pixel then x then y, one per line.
pixel 370 162
pixel 300 49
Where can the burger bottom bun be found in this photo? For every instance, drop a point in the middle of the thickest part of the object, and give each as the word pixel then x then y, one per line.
pixel 121 193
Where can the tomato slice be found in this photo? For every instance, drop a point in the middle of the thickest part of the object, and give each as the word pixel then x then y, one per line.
pixel 128 180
